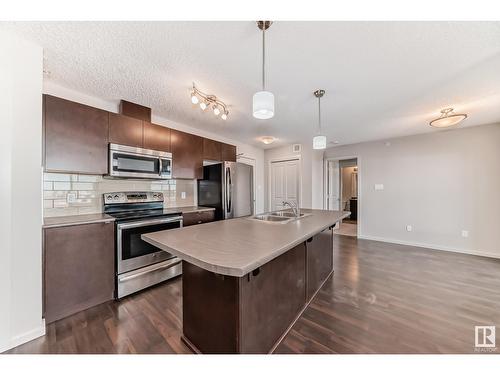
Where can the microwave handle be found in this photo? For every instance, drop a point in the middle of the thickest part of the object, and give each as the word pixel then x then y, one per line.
pixel 161 166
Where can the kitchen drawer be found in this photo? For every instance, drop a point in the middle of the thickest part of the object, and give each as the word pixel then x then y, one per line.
pixel 199 217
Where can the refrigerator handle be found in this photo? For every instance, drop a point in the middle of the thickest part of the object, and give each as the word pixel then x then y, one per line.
pixel 229 185
pixel 226 190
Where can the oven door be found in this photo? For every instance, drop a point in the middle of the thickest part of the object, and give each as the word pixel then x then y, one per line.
pixel 132 251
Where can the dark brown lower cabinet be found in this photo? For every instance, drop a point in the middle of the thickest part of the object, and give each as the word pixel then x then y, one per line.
pixel 319 250
pixel 200 217
pixel 79 268
pixel 249 314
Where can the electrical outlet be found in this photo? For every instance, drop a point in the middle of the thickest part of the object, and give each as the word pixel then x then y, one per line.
pixel 71 197
pixel 183 195
pixel 379 186
pixel 409 228
pixel 465 233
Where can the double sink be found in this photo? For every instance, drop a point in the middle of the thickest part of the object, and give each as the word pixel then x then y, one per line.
pixel 281 217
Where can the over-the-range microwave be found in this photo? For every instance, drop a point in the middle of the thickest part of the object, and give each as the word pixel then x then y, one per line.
pixel 135 162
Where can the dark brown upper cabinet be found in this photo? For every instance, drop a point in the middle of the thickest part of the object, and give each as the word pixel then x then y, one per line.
pixel 156 137
pixel 76 137
pixel 125 130
pixel 187 155
pixel 228 152
pixel 212 150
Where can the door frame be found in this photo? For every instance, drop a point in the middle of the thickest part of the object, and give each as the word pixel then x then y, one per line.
pixel 241 159
pixel 325 185
pixel 269 179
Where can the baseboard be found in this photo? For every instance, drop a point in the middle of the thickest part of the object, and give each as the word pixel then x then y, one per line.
pixel 431 246
pixel 25 337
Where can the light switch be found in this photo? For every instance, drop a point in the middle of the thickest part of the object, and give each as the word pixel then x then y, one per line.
pixel 183 195
pixel 379 186
pixel 409 228
pixel 465 233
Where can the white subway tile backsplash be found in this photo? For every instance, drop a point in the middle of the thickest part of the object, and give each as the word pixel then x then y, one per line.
pixel 62 186
pixel 89 178
pixel 56 177
pixel 82 186
pixel 89 189
pixel 60 203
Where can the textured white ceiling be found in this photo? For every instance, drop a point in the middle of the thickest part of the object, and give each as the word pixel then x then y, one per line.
pixel 382 79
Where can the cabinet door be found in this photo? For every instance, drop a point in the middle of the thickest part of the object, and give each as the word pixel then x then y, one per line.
pixel 156 137
pixel 125 130
pixel 187 155
pixel 78 268
pixel 264 316
pixel 319 260
pixel 228 152
pixel 193 218
pixel 212 150
pixel 76 137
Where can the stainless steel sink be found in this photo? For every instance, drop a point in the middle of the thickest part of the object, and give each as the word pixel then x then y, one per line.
pixel 286 214
pixel 281 217
pixel 267 217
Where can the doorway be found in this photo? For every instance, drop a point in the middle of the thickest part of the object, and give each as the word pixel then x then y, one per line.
pixel 250 161
pixel 284 182
pixel 342 192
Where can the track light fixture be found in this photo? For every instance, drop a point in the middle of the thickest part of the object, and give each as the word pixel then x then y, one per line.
pixel 205 101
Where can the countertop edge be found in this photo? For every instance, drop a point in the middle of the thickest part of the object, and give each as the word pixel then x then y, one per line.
pixel 240 272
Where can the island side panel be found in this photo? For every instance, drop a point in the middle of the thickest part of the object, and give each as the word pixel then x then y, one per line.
pixel 271 299
pixel 210 310
pixel 319 250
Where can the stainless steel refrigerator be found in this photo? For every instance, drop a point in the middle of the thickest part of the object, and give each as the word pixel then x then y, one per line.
pixel 228 187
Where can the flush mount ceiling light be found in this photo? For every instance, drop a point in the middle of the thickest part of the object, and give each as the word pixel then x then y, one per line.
pixel 263 101
pixel 267 140
pixel 319 141
pixel 205 101
pixel 447 118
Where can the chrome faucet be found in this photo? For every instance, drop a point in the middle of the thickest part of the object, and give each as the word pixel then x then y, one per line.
pixel 295 208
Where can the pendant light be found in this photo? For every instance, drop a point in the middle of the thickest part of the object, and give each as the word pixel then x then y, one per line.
pixel 447 118
pixel 319 141
pixel 263 101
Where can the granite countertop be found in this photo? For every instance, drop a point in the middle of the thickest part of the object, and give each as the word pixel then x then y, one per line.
pixel 63 221
pixel 238 246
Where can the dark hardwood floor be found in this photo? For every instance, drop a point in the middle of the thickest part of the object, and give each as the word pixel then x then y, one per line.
pixel 382 298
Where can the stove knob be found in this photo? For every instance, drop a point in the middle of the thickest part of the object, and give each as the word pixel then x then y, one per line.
pixel 109 197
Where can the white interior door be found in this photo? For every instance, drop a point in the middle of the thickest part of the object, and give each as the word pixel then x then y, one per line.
pixel 285 183
pixel 333 188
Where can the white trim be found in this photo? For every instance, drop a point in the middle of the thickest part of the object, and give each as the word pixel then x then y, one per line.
pixel 430 246
pixel 25 337
pixel 269 179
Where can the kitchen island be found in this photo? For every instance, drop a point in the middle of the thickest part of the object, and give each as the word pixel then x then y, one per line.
pixel 246 281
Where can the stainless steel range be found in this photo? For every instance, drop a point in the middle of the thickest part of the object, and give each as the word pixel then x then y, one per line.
pixel 140 264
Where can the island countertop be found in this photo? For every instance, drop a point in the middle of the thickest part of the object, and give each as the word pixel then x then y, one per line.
pixel 238 246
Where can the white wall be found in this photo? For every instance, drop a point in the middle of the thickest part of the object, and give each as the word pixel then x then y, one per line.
pixel 311 166
pixel 440 183
pixel 112 106
pixel 21 192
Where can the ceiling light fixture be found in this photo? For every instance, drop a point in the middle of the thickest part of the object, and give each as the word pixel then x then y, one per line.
pixel 263 101
pixel 319 141
pixel 447 118
pixel 267 140
pixel 206 100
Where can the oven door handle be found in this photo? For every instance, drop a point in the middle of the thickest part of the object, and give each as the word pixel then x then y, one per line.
pixel 171 263
pixel 145 223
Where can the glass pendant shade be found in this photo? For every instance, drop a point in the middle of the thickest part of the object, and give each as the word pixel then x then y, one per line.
pixel 319 142
pixel 263 105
